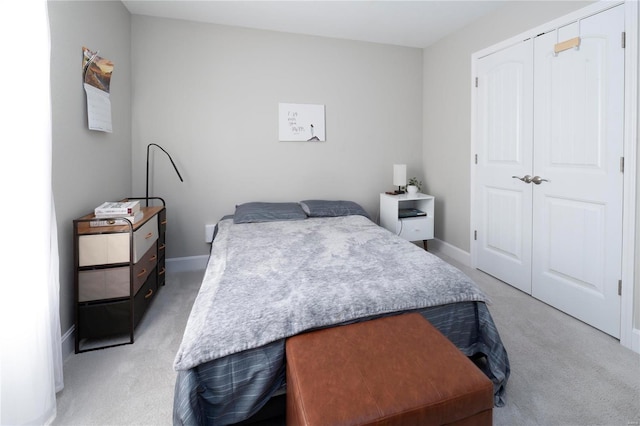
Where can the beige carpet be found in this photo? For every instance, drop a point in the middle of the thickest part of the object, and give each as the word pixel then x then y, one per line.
pixel 563 372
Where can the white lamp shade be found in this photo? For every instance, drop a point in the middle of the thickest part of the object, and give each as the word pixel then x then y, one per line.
pixel 399 174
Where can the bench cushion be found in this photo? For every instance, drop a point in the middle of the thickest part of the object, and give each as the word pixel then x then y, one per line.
pixel 394 370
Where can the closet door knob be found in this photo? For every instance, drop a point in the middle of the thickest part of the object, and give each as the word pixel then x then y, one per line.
pixel 538 180
pixel 525 178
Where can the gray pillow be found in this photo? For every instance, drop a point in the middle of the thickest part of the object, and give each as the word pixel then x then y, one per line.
pixel 267 212
pixel 325 208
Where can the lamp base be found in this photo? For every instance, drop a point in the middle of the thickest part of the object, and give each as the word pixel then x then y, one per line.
pixel 399 191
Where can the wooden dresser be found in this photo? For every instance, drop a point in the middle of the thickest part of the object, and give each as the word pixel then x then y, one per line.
pixel 117 273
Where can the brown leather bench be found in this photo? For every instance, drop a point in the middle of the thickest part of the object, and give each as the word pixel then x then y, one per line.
pixel 396 370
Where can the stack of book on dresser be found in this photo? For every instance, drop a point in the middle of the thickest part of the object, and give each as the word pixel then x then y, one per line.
pixel 113 213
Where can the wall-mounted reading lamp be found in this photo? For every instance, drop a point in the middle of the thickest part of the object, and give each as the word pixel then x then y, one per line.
pixel 170 159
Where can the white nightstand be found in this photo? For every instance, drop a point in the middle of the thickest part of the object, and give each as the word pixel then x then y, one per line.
pixel 410 228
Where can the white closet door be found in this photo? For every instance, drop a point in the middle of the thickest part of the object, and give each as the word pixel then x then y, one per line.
pixel 578 140
pixel 504 140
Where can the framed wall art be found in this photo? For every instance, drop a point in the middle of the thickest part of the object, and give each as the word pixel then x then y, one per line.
pixel 301 123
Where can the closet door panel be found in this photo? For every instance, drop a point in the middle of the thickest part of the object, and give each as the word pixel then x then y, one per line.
pixel 504 136
pixel 578 142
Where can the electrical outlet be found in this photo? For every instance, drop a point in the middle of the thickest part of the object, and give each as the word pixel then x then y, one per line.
pixel 208 233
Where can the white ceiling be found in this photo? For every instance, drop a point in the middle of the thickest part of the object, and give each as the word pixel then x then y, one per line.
pixel 403 23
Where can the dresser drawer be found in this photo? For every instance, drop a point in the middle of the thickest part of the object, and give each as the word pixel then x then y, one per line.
pixel 111 283
pixel 104 249
pixel 142 269
pixel 144 297
pixel 103 284
pixel 97 320
pixel 416 228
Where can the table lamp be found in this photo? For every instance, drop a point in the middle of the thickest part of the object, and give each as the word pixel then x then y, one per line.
pixel 399 177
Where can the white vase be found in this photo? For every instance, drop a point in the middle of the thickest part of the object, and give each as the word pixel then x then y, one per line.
pixel 412 189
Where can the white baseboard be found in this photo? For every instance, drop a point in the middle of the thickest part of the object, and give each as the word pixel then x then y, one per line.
pixel 180 264
pixel 194 263
pixel 464 257
pixel 189 263
pixel 635 340
pixel 452 251
pixel 68 342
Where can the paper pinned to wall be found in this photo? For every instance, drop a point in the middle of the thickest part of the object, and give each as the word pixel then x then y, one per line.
pixel 97 79
pixel 301 122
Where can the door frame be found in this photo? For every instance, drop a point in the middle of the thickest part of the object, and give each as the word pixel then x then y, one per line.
pixel 629 333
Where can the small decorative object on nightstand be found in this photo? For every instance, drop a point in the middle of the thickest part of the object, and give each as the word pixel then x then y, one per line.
pixel 410 216
pixel 414 186
pixel 118 269
pixel 412 190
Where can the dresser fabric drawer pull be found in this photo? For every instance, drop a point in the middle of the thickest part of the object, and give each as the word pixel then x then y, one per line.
pixel 162 271
pixel 164 222
pixel 149 235
pixel 141 274
pixel 162 247
pixel 153 258
pixel 149 294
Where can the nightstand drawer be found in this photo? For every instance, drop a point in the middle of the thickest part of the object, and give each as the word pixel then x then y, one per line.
pixel 416 228
pixel 104 249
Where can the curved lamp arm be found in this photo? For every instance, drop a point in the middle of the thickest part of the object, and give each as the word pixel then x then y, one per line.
pixel 172 163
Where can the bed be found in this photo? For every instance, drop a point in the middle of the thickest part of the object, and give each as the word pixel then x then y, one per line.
pixel 280 269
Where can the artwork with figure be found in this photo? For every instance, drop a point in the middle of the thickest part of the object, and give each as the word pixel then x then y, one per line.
pixel 301 122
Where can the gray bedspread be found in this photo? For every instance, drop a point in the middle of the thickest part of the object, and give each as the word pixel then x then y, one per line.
pixel 268 281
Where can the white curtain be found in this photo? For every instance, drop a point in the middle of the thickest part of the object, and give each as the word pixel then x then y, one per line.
pixel 30 352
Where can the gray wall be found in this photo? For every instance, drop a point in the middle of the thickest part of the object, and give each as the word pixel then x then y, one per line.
pixel 88 167
pixel 209 95
pixel 447 108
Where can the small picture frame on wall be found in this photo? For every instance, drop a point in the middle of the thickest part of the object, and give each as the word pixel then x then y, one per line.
pixel 301 123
